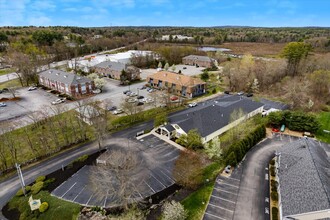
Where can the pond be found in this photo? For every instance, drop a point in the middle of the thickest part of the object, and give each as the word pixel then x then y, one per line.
pixel 213 49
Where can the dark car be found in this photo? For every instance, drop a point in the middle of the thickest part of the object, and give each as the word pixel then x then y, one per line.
pixel 140 97
pixel 127 91
pixel 112 108
pixel 249 95
pixel 140 103
pixel 227 92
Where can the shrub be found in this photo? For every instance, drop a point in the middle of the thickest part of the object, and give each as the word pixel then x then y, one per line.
pixel 214 91
pixel 37 187
pixel 81 159
pixel 174 211
pixel 272 162
pixel 19 192
pixel 43 207
pixel 274 185
pixel 274 195
pixel 275 213
pixel 272 171
pixel 27 189
pixel 40 179
pixel 48 181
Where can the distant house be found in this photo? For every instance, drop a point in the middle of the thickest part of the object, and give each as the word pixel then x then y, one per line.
pixel 67 83
pixel 195 60
pixel 114 70
pixel 176 38
pixel 186 86
pixel 213 119
pixel 304 180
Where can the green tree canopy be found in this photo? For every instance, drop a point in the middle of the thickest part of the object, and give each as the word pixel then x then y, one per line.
pixel 44 37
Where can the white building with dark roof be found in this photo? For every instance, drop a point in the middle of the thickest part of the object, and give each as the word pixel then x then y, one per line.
pixel 67 83
pixel 304 180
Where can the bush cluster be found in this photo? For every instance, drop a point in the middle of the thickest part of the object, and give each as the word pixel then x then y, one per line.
pixel 236 151
pixel 40 179
pixel 274 185
pixel 272 171
pixel 37 187
pixel 43 207
pixel 274 195
pixel 81 158
pixel 275 213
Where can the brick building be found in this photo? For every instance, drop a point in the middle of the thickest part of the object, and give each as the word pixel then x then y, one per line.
pixel 67 83
pixel 202 61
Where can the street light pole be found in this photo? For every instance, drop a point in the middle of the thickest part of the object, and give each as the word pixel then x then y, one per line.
pixel 20 176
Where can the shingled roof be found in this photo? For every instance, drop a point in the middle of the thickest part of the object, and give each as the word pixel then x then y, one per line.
pixel 196 57
pixel 64 77
pixel 304 176
pixel 176 78
pixel 117 66
pixel 213 116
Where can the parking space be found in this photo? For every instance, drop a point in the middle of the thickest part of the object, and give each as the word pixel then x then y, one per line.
pixel 222 202
pixel 158 159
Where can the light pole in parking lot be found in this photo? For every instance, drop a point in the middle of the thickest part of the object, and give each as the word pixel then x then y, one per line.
pixel 20 176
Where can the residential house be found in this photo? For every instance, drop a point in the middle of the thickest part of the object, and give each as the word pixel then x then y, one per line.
pixel 67 83
pixel 214 118
pixel 195 60
pixel 183 85
pixel 114 69
pixel 304 180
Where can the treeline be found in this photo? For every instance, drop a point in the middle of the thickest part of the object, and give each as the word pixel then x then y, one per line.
pixel 235 153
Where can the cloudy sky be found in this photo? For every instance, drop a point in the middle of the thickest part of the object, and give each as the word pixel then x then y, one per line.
pixel 95 13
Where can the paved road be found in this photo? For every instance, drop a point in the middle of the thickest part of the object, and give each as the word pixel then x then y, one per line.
pixel 7 77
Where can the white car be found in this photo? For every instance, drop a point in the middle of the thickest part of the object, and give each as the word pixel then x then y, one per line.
pixel 31 88
pixel 192 104
pixel 118 111
pixel 58 101
pixel 228 169
pixel 3 104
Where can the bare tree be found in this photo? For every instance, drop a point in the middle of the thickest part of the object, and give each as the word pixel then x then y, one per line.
pixel 119 177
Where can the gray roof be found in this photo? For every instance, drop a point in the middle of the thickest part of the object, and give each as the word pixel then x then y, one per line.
pixel 117 66
pixel 304 176
pixel 210 117
pixel 64 77
pixel 169 127
pixel 272 104
pixel 196 57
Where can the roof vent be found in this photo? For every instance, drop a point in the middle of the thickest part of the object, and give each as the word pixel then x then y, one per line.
pixel 57 74
pixel 65 76
pixel 221 115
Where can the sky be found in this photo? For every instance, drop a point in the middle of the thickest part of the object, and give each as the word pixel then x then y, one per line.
pixel 202 13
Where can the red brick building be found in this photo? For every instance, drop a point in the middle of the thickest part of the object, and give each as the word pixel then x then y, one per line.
pixel 67 83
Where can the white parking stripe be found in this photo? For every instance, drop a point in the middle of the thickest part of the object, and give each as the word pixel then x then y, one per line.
pixel 234 179
pixel 230 185
pixel 214 216
pixel 78 193
pixel 223 199
pixel 69 189
pixel 89 199
pixel 221 207
pixel 149 186
pixel 225 191
pixel 167 176
pixel 157 180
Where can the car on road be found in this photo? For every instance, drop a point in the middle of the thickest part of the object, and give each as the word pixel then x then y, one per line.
pixel 240 93
pixel 112 108
pixel 31 88
pixel 228 169
pixel 58 101
pixel 3 104
pixel 118 111
pixel 192 104
pixel 126 91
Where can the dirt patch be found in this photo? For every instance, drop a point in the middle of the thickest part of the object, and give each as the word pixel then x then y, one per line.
pixel 269 133
pixel 10 99
pixel 256 49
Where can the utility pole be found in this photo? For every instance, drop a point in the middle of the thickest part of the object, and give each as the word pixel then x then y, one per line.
pixel 20 176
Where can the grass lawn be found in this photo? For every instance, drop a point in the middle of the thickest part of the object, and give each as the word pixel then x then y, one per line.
pixel 324 119
pixel 196 202
pixel 58 209
pixel 6 71
pixel 11 83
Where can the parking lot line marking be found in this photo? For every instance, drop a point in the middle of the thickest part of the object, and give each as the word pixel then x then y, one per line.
pixel 89 199
pixel 106 197
pixel 214 216
pixel 230 185
pixel 223 199
pixel 149 186
pixel 68 189
pixel 221 207
pixel 158 180
pixel 225 191
pixel 234 179
pixel 167 176
pixel 78 193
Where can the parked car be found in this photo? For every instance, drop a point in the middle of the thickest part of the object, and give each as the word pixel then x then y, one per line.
pixel 308 134
pixel 0 91
pixel 184 68
pixel 140 97
pixel 275 130
pixel 249 95
pixel 227 92
pixel 143 87
pixel 149 100
pixel 97 91
pixel 112 108
pixel 128 93
pixel 140 103
pixel 192 104
pixel 58 101
pixel 240 93
pixel 131 100
pixel 118 111
pixel 150 90
pixel 125 92
pixel 132 94
pixel 31 88
pixel 228 169
pixel 3 104
pixel 174 98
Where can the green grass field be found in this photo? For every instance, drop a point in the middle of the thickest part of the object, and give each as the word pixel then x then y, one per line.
pixel 6 71
pixel 11 83
pixel 324 119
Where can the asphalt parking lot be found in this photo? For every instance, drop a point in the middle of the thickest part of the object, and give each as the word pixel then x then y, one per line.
pixel 159 158
pixel 224 196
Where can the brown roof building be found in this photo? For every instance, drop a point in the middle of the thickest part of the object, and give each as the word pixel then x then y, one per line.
pixel 195 60
pixel 178 84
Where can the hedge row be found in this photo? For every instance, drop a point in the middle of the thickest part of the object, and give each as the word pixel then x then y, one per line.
pixel 236 151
